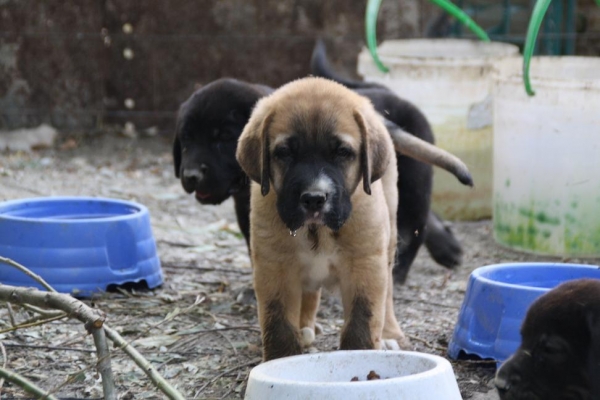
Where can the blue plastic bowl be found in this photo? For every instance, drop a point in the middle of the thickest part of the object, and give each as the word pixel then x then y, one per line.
pixel 79 245
pixel 497 300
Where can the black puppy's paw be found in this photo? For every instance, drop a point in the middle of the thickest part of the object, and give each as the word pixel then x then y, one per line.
pixel 441 243
pixel 593 323
pixel 246 296
pixel 400 272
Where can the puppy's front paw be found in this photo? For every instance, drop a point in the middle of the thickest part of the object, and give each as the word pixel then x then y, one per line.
pixel 307 336
pixel 318 328
pixel 400 342
pixel 390 344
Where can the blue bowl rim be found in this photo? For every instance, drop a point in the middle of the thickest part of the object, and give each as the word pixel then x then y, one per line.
pixel 141 210
pixel 479 273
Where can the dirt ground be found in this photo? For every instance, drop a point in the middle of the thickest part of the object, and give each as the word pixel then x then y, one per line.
pixel 199 329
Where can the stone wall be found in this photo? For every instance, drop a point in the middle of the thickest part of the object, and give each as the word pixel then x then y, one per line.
pixel 82 64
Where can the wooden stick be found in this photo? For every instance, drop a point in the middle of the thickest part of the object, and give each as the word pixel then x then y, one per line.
pixel 93 321
pixel 141 362
pixel 4 362
pixel 32 324
pixel 92 318
pixel 26 384
pixel 27 272
pixel 108 386
pixel 227 371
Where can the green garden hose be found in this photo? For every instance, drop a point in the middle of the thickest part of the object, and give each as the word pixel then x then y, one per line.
pixel 371 30
pixel 446 5
pixel 463 18
pixel 539 10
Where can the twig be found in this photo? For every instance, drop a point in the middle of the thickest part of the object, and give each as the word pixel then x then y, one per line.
pixel 4 362
pixel 176 244
pixel 141 362
pixel 57 348
pixel 244 271
pixel 11 315
pixel 227 371
pixel 474 361
pixel 41 311
pixel 431 303
pixel 232 388
pixel 27 272
pixel 73 307
pixel 31 324
pixel 26 384
pixel 426 343
pixel 230 342
pixel 92 320
pixel 226 328
pixel 108 386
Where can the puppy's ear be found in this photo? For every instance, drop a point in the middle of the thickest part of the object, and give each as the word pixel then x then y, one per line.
pixel 177 155
pixel 253 151
pixel 375 152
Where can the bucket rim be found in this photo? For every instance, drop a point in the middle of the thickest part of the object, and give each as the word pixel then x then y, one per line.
pixel 511 71
pixel 389 52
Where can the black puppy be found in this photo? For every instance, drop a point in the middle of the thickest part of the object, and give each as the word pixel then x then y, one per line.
pixel 416 224
pixel 208 126
pixel 559 357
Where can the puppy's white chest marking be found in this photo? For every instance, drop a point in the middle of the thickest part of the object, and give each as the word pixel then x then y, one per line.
pixel 319 267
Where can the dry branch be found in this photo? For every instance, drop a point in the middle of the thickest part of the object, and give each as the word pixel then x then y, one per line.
pixel 94 321
pixel 27 272
pixel 32 324
pixel 26 384
pixel 104 368
pixel 90 317
pixel 154 376
pixel 227 371
pixel 4 362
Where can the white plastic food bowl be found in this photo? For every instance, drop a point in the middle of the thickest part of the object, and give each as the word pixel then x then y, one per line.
pixel 404 375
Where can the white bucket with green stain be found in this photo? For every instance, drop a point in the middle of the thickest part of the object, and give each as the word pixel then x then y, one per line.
pixel 547 157
pixel 450 80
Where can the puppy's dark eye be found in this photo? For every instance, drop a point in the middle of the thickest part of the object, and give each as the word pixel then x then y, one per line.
pixel 554 347
pixel 282 153
pixel 344 153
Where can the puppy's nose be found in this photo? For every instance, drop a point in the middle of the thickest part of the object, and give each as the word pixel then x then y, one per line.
pixel 313 201
pixel 507 376
pixel 501 383
pixel 197 174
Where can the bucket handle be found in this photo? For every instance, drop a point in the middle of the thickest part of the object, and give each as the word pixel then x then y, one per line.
pixel 446 5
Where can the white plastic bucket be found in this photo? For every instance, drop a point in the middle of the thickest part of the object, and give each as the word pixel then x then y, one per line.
pixel 404 375
pixel 450 81
pixel 547 157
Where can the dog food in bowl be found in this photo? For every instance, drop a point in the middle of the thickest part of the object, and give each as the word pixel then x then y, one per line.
pixel 404 375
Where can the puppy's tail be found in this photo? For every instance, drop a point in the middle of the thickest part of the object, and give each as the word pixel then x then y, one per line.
pixel 320 66
pixel 412 146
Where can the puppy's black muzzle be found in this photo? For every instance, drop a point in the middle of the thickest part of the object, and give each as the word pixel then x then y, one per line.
pixel 193 178
pixel 313 201
pixel 208 188
pixel 304 198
